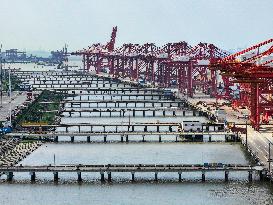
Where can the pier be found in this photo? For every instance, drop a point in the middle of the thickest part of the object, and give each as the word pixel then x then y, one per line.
pixel 134 169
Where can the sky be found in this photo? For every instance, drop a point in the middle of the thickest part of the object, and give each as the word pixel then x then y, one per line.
pixel 49 24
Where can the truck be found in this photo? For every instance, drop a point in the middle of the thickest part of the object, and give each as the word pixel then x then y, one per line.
pixel 221 115
pixel 5 130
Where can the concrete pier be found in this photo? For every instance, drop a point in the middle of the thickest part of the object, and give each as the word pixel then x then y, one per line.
pixel 10 176
pixel 133 176
pixel 109 176
pixel 180 176
pixel 226 176
pixel 102 177
pixel 156 176
pixel 203 177
pixel 56 176
pixel 32 176
pixel 79 176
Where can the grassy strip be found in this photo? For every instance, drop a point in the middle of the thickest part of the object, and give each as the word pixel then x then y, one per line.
pixel 35 113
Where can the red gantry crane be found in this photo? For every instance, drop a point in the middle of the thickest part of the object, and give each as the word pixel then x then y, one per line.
pixel 252 70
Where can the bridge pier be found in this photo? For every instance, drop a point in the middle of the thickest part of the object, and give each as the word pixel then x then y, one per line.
pixel 32 176
pixel 133 176
pixel 109 176
pixel 102 177
pixel 79 176
pixel 104 138
pixel 72 138
pixel 203 176
pixel 56 139
pixel 88 138
pixel 56 177
pixel 143 138
pixel 261 174
pixel 164 113
pixel 10 176
pixel 127 138
pixel 156 176
pixel 209 138
pixel 250 178
pixel 121 138
pixel 226 176
pixel 180 176
pixel 159 138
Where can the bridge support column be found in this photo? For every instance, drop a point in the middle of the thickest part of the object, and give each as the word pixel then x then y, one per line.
pixel 121 138
pixel 72 138
pixel 174 113
pixel 209 138
pixel 226 176
pixel 10 176
pixel 109 176
pixel 184 113
pixel 127 138
pixel 104 138
pixel 164 113
pixel 156 176
pixel 79 176
pixel 250 176
pixel 56 177
pixel 203 176
pixel 143 138
pixel 261 174
pixel 102 177
pixel 134 112
pixel 153 113
pixel 88 138
pixel 193 113
pixel 180 176
pixel 143 113
pixel 160 138
pixel 133 176
pixel 32 176
pixel 56 139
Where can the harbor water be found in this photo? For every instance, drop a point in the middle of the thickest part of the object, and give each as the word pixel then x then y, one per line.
pixel 238 191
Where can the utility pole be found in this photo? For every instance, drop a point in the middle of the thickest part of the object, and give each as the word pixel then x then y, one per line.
pixel 269 157
pixel 246 133
pixel 9 98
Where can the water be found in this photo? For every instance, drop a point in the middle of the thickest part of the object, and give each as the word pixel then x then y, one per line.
pixel 144 191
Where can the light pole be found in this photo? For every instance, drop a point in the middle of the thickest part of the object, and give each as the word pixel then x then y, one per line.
pixel 9 98
pixel 269 156
pixel 246 134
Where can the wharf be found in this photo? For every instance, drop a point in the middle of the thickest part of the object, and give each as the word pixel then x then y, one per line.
pixel 133 168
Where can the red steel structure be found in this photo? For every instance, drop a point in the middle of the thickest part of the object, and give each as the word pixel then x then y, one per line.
pixel 252 70
pixel 204 68
pixel 179 63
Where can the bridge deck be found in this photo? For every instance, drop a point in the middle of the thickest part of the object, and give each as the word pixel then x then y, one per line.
pixel 131 168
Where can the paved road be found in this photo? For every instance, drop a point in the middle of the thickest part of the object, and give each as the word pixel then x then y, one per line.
pixel 258 141
pixel 17 99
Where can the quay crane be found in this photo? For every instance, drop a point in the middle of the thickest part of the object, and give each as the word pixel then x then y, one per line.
pixel 204 68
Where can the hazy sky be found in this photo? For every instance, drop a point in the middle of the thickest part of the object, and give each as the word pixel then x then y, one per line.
pixel 49 24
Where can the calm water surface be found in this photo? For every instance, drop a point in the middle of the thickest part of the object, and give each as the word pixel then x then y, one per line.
pixel 167 191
